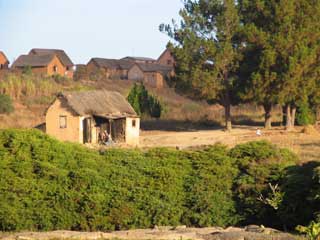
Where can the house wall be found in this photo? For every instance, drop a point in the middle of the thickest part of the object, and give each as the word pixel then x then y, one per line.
pixel 166 59
pixel 132 133
pixel 61 69
pixel 124 74
pixel 69 73
pixel 4 63
pixel 49 69
pixel 94 70
pixel 154 79
pixel 135 74
pixel 73 131
pixel 35 70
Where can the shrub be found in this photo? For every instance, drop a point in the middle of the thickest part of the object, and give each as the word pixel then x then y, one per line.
pixel 27 70
pixel 144 103
pixel 305 116
pixel 6 105
pixel 49 185
pixel 260 164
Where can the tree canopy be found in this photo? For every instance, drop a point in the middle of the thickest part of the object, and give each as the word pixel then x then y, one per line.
pixel 261 51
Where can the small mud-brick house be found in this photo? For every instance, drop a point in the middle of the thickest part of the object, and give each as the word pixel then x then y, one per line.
pixel 4 62
pixel 46 65
pixel 166 58
pixel 68 69
pixel 109 68
pixel 81 116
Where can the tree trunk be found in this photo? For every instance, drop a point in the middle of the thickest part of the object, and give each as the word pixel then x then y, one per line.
pixel 288 118
pixel 227 102
pixel 267 116
pixel 227 109
pixel 293 115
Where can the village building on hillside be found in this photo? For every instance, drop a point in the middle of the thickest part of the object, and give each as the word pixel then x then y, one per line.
pixel 4 62
pixel 140 59
pixel 166 58
pixel 109 68
pixel 153 75
pixel 68 68
pixel 46 65
pixel 84 116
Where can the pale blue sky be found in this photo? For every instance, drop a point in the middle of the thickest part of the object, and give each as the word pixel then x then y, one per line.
pixel 86 28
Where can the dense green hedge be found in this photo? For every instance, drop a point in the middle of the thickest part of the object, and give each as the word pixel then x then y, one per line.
pixel 47 185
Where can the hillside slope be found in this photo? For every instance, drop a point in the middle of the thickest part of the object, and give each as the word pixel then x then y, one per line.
pixel 33 95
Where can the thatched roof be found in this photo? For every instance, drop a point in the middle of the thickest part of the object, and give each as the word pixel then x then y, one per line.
pixel 64 58
pixel 112 63
pixel 99 103
pixel 33 61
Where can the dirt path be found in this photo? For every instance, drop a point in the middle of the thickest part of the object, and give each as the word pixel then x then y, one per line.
pixel 305 145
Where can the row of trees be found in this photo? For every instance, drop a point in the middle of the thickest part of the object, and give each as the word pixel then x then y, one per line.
pixel 260 51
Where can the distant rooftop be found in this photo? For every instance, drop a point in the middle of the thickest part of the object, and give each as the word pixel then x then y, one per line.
pixel 64 58
pixel 138 59
pixel 33 60
pixel 112 63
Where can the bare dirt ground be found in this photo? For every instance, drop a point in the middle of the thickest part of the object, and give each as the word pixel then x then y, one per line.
pixel 159 233
pixel 306 145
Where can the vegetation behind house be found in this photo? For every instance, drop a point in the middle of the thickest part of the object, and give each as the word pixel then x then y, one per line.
pixel 31 96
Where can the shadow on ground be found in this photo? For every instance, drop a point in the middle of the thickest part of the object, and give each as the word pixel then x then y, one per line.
pixel 246 121
pixel 178 126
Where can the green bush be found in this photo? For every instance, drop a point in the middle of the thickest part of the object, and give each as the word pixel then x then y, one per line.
pixel 144 103
pixel 6 105
pixel 305 116
pixel 49 185
pixel 260 164
pixel 301 202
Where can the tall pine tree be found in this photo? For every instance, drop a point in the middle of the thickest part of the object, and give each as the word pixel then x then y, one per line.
pixel 206 50
pixel 281 54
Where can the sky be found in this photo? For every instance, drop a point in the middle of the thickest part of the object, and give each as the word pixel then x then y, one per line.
pixel 86 28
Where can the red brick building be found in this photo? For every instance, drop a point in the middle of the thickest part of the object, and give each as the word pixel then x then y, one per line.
pixel 166 58
pixel 150 74
pixel 46 65
pixel 61 54
pixel 109 68
pixel 4 62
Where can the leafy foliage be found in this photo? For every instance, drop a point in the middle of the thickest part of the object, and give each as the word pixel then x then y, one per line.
pixel 144 103
pixel 6 105
pixel 260 164
pixel 49 185
pixel 305 115
pixel 312 231
pixel 206 50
